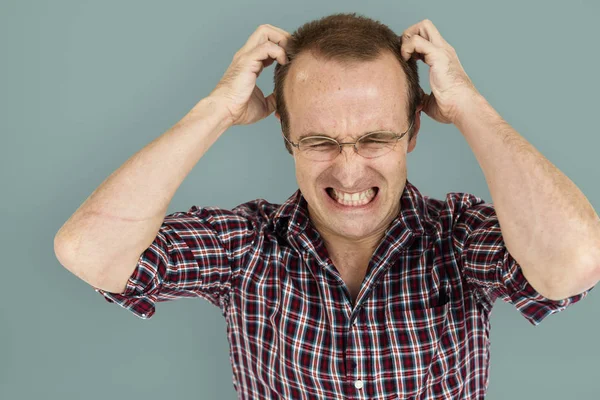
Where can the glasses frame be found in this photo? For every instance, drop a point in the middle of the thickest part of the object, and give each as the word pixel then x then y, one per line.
pixel 340 144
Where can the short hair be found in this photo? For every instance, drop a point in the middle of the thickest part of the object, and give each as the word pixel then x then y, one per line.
pixel 346 38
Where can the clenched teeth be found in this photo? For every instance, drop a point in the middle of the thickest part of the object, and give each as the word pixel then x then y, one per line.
pixel 356 199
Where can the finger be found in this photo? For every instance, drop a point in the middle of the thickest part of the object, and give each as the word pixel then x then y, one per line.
pixel 268 62
pixel 427 30
pixel 268 50
pixel 284 32
pixel 419 45
pixel 263 34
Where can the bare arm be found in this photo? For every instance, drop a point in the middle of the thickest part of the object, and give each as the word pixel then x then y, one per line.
pixel 102 240
pixel 547 223
pixel 121 218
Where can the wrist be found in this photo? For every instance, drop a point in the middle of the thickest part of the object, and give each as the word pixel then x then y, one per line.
pixel 214 109
pixel 469 104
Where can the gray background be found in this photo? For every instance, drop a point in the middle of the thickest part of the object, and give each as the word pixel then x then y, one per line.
pixel 85 84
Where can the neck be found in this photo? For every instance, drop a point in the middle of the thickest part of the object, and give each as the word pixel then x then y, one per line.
pixel 357 252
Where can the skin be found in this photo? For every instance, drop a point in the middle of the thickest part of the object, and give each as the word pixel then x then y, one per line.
pixel 547 223
pixel 345 102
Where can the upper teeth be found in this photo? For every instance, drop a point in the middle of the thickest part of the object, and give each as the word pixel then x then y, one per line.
pixel 354 196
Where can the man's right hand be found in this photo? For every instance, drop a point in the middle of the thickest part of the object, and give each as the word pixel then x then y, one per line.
pixel 237 90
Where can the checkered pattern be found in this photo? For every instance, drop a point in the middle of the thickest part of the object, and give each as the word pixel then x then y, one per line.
pixel 420 327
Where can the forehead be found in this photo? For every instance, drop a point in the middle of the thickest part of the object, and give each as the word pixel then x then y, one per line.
pixel 345 100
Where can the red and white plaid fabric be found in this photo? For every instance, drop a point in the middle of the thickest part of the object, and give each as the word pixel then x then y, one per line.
pixel 420 327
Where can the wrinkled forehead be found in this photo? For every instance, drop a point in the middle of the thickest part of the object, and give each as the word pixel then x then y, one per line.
pixel 345 100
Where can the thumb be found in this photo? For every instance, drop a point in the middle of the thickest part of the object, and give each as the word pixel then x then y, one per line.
pixel 271 103
pixel 430 106
pixel 432 109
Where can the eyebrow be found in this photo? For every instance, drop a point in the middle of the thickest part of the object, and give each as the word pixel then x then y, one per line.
pixel 322 134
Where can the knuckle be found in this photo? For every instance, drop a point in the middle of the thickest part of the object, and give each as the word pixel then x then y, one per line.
pixel 283 55
pixel 268 45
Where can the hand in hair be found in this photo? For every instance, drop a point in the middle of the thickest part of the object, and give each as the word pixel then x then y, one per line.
pixel 237 90
pixel 450 85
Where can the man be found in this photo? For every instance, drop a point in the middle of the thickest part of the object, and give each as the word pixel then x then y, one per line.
pixel 357 286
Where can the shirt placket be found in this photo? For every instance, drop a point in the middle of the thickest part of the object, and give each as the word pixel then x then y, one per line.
pixel 353 354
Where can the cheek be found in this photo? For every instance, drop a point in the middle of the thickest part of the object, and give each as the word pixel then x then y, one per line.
pixel 391 166
pixel 302 171
pixel 307 174
pixel 393 172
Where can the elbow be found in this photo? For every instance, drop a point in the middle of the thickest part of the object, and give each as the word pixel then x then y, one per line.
pixel 66 256
pixel 62 251
pixel 576 279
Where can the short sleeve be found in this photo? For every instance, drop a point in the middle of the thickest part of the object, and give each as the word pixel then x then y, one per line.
pixel 195 254
pixel 490 268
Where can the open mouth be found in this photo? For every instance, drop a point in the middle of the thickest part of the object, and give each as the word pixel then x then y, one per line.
pixel 356 201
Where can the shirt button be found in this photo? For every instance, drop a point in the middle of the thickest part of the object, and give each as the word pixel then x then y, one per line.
pixel 143 315
pixel 358 384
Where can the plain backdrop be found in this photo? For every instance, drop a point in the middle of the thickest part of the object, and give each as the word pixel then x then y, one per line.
pixel 86 84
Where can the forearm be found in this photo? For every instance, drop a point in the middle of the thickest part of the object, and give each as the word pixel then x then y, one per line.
pixel 547 223
pixel 123 215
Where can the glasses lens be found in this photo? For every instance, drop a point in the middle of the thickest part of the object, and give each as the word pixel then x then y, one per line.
pixel 376 144
pixel 319 149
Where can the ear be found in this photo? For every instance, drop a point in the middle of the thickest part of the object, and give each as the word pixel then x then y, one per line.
pixel 413 142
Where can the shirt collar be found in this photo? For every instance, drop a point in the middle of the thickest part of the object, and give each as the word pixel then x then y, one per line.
pixel 292 216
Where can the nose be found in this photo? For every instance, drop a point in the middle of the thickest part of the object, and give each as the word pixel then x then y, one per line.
pixel 351 149
pixel 347 168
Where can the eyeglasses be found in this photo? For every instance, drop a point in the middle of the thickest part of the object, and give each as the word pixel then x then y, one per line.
pixel 371 145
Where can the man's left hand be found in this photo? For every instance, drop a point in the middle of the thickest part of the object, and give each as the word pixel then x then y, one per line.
pixel 451 88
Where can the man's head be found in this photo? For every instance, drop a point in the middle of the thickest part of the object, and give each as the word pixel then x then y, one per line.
pixel 346 77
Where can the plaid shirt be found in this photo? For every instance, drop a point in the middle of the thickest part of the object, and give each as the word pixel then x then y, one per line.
pixel 420 326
